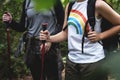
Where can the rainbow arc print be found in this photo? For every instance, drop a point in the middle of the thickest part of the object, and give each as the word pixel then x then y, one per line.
pixel 78 20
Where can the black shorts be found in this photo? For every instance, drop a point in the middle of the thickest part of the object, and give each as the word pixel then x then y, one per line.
pixel 53 64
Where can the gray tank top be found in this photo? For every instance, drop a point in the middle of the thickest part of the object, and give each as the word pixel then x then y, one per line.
pixel 35 19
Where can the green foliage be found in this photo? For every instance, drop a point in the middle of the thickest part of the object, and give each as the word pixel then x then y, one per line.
pixel 64 2
pixel 115 4
pixel 41 4
pixel 64 50
pixel 18 67
pixel 112 64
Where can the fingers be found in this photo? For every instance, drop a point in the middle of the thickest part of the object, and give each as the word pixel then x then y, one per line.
pixel 47 46
pixel 92 36
pixel 44 35
pixel 7 17
pixel 41 47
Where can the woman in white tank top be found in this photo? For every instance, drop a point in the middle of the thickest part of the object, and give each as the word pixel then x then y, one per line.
pixel 87 65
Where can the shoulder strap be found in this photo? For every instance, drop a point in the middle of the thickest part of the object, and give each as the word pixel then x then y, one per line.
pixel 26 5
pixel 91 12
pixel 91 19
pixel 69 9
pixel 59 11
pixel 27 2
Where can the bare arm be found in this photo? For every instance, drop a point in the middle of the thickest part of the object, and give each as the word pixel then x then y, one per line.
pixel 111 15
pixel 61 36
pixel 104 10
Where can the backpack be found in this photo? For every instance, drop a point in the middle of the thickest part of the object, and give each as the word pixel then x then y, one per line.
pixel 110 43
pixel 56 27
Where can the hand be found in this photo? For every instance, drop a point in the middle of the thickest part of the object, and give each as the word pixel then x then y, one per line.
pixel 45 35
pixel 93 36
pixel 7 17
pixel 47 46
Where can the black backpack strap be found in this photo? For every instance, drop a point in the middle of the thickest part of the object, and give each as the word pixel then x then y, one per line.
pixel 69 9
pixel 91 12
pixel 27 3
pixel 91 19
pixel 84 35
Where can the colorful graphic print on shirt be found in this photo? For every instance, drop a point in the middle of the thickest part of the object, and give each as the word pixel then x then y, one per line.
pixel 78 20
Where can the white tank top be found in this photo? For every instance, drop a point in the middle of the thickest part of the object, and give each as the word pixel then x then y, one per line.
pixel 93 52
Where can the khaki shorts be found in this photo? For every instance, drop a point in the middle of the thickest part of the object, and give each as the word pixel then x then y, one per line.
pixel 91 71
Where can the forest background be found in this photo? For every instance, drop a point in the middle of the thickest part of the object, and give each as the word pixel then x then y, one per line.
pixel 16 65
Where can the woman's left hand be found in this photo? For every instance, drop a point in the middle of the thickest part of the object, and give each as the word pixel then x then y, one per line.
pixel 93 36
pixel 47 46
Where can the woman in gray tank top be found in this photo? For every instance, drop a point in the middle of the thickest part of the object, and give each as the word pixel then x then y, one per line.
pixel 31 22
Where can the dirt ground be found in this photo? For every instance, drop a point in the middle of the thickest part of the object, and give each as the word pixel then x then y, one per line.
pixel 29 77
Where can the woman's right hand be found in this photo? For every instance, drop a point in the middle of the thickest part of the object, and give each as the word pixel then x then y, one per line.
pixel 45 35
pixel 7 17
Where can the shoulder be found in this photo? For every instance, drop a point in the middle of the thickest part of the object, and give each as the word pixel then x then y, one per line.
pixel 100 4
pixel 103 7
pixel 105 10
pixel 66 8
